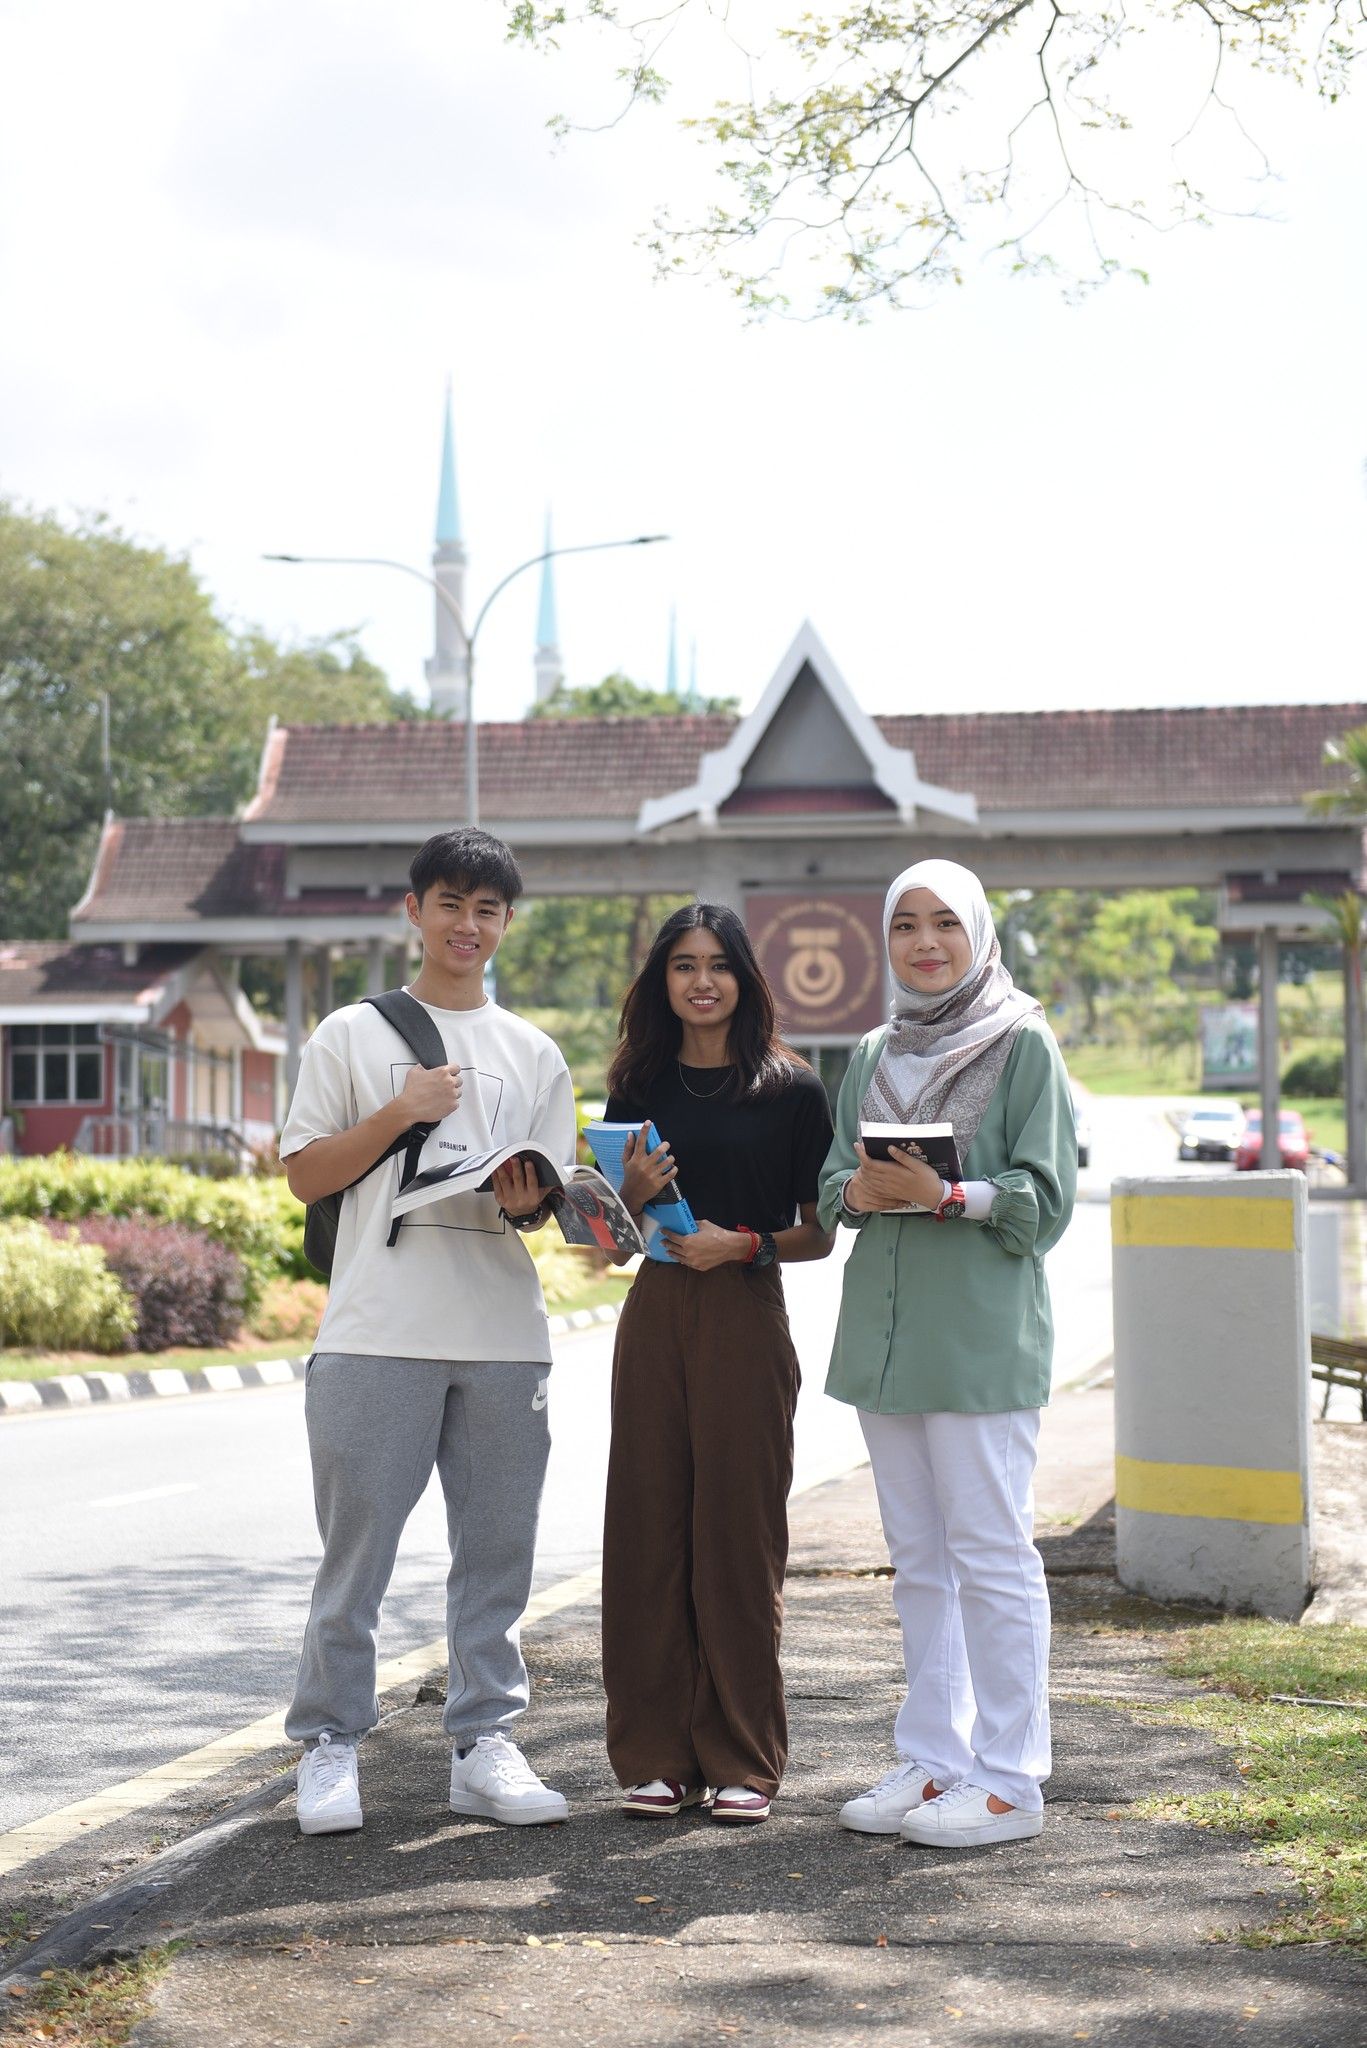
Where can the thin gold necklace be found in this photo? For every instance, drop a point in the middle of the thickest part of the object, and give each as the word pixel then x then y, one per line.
pixel 703 1094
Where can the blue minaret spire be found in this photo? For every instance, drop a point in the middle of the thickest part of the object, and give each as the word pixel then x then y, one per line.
pixel 672 660
pixel 448 499
pixel 448 669
pixel 546 663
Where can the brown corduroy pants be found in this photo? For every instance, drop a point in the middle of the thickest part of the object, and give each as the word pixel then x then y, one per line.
pixel 695 1539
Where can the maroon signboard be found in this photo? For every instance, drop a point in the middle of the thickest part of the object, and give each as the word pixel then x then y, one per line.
pixel 823 958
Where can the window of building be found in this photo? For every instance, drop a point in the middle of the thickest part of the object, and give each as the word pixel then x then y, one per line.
pixel 55 1063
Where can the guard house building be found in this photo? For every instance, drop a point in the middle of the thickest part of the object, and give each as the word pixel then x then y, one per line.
pixel 797 815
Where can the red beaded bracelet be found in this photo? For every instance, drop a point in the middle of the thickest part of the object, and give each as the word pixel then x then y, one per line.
pixel 754 1238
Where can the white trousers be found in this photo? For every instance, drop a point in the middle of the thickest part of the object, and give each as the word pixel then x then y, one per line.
pixel 956 1496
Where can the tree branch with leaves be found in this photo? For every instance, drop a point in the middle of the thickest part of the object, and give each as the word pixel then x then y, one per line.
pixel 892 141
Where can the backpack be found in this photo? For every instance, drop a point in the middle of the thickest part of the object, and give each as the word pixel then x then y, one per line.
pixel 425 1042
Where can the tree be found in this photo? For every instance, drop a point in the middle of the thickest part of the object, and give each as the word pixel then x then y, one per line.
pixel 618 697
pixel 1347 798
pixel 1137 939
pixel 89 616
pixel 895 135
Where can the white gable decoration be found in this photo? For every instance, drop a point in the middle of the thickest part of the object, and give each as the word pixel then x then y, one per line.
pixel 852 741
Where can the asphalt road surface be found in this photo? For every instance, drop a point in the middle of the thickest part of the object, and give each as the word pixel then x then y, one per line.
pixel 156 1559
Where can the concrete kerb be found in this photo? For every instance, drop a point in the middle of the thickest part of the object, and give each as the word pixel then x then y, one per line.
pixel 88 1389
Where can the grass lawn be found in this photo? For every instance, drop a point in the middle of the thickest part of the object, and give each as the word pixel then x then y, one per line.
pixel 97 2008
pixel 1304 1768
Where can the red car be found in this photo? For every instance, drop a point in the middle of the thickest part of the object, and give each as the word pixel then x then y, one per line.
pixel 1294 1144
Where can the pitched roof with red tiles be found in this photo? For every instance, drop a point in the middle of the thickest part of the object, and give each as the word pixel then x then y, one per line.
pixel 55 971
pixel 1058 760
pixel 181 868
pixel 191 869
pixel 537 768
pixel 603 768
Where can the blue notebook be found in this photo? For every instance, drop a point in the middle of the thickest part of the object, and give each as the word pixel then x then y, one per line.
pixel 607 1142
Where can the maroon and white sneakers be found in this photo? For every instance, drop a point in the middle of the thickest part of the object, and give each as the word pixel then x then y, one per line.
pixel 740 1805
pixel 663 1797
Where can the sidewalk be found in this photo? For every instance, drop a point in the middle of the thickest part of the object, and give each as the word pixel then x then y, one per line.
pixel 425 1927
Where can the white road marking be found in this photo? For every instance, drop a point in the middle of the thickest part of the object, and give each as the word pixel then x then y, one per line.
pixel 132 1500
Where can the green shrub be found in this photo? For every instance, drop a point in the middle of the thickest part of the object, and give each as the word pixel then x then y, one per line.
pixel 1316 1073
pixel 58 1294
pixel 258 1219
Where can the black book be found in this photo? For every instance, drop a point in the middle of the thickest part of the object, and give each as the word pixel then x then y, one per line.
pixel 932 1142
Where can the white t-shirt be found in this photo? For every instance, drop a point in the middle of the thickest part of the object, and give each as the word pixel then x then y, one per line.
pixel 458 1283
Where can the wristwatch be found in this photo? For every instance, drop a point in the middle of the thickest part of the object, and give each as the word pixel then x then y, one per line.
pixel 532 1220
pixel 763 1250
pixel 952 1202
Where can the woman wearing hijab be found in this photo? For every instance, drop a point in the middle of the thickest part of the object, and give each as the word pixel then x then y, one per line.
pixel 944 1346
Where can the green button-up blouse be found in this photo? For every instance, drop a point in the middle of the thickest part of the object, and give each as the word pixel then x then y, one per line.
pixel 955 1315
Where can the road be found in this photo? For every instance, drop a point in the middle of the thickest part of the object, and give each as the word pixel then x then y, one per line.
pixel 157 1558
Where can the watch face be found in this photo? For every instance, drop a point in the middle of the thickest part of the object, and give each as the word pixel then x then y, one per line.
pixel 953 1208
pixel 768 1251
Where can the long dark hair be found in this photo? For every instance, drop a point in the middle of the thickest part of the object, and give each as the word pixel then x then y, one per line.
pixel 649 1033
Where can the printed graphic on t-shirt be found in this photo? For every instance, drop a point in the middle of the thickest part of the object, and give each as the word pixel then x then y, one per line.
pixel 463 1212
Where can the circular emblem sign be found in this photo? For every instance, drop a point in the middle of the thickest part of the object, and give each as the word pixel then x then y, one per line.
pixel 823 959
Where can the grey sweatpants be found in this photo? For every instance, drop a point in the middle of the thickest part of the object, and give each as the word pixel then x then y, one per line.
pixel 376 1427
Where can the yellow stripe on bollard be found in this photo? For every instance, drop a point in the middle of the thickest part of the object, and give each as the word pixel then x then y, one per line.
pixel 1218 1493
pixel 1251 1223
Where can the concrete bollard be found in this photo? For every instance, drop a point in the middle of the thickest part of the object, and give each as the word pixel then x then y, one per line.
pixel 1212 1383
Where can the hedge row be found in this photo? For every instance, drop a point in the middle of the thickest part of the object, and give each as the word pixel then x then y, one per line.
pixel 111 1283
pixel 257 1219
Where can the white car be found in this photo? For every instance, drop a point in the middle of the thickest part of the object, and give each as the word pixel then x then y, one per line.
pixel 1082 1118
pixel 1212 1133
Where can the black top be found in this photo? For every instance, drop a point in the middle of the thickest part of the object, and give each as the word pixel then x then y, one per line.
pixel 739 1162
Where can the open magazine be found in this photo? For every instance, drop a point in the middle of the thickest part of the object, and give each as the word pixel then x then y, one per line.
pixel 587 1207
pixel 607 1142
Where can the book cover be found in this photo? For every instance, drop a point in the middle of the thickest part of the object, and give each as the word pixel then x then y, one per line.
pixel 932 1142
pixel 607 1142
pixel 584 1203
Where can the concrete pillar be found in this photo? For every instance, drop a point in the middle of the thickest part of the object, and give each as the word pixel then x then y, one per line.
pixel 1212 1384
pixel 1269 1050
pixel 374 967
pixel 1354 1069
pixel 294 1011
pixel 322 982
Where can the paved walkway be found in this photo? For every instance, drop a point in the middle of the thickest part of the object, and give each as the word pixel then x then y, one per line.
pixel 426 1928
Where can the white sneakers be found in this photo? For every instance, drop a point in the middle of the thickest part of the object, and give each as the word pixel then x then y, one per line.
pixel 329 1797
pixel 882 1809
pixel 962 1819
pixel 495 1781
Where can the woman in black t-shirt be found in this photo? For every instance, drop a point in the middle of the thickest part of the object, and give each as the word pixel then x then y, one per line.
pixel 705 1378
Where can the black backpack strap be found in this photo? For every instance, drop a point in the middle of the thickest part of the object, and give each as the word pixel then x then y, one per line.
pixel 425 1042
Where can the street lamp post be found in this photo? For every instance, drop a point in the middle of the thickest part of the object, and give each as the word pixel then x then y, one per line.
pixel 469 634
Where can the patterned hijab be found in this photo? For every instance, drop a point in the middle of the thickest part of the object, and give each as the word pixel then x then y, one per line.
pixel 945 1050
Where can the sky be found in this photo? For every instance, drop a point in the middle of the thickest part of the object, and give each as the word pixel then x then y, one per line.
pixel 243 246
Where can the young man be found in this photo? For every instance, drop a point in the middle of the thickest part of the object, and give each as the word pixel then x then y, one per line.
pixel 432 1351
